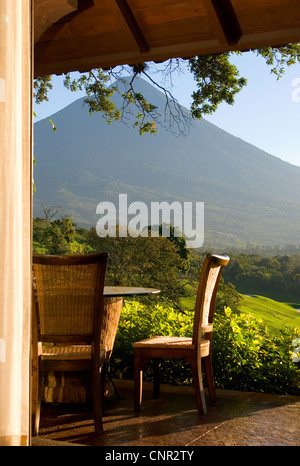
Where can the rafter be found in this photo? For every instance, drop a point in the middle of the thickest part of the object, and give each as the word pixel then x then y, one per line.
pixel 224 19
pixel 132 24
pixel 106 33
pixel 48 12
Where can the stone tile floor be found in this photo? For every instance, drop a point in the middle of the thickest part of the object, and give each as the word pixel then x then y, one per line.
pixel 239 419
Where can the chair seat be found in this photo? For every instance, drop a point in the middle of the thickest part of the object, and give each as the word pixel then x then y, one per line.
pixel 192 350
pixel 165 342
pixel 69 352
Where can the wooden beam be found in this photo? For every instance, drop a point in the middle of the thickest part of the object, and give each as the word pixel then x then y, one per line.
pixel 132 24
pixel 224 20
pixel 48 12
pixel 160 53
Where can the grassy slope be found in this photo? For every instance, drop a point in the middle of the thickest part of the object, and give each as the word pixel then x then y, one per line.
pixel 276 315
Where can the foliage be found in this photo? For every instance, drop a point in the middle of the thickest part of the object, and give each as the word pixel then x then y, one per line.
pixel 217 81
pixel 57 237
pixel 139 321
pixel 275 277
pixel 142 261
pixel 179 242
pixel 41 86
pixel 146 109
pixel 280 57
pixel 98 93
pixel 296 350
pixel 216 78
pixel 226 296
pixel 245 356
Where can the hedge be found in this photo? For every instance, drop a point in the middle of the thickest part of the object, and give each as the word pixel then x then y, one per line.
pixel 246 356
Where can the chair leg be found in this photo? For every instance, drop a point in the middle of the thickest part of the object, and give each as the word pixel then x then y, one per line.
pixel 210 380
pixel 98 425
pixel 198 386
pixel 103 379
pixel 138 380
pixel 156 383
pixel 38 404
pixel 97 401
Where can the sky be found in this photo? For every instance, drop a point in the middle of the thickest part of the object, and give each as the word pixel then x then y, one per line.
pixel 266 112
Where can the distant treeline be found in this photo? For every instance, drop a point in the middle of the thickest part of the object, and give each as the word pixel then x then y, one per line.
pixel 268 251
pixel 157 261
pixel 276 277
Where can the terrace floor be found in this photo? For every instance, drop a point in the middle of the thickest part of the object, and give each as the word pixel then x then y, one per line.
pixel 239 419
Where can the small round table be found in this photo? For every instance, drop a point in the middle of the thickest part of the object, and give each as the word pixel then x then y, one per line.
pixel 113 301
pixel 67 388
pixel 127 291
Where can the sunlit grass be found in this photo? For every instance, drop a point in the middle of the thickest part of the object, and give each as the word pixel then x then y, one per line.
pixel 275 315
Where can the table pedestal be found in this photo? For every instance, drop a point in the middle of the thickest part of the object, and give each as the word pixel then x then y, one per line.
pixel 110 322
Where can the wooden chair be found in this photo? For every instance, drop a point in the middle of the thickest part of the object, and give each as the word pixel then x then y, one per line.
pixel 68 292
pixel 191 349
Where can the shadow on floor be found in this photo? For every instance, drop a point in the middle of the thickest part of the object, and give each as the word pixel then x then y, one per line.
pixel 240 419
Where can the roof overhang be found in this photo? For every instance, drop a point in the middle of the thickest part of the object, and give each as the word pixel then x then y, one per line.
pixel 78 35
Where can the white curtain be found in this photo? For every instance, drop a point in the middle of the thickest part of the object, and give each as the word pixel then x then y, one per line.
pixel 15 219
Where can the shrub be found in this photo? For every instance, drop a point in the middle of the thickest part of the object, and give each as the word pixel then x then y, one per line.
pixel 245 355
pixel 139 321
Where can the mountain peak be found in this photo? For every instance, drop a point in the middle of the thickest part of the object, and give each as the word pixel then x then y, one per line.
pixel 249 195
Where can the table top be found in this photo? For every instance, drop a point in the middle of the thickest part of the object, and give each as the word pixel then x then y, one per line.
pixel 123 291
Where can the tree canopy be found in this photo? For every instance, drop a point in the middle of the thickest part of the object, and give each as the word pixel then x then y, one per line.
pixel 154 262
pixel 217 80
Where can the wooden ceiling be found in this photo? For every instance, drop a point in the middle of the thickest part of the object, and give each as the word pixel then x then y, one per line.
pixel 78 35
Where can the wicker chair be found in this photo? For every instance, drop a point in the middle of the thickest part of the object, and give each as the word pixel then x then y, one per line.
pixel 191 349
pixel 68 292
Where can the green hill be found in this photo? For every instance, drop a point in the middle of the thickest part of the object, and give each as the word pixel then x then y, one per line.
pixel 275 315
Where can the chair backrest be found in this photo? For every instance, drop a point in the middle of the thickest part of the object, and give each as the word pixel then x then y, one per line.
pixel 206 295
pixel 68 294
